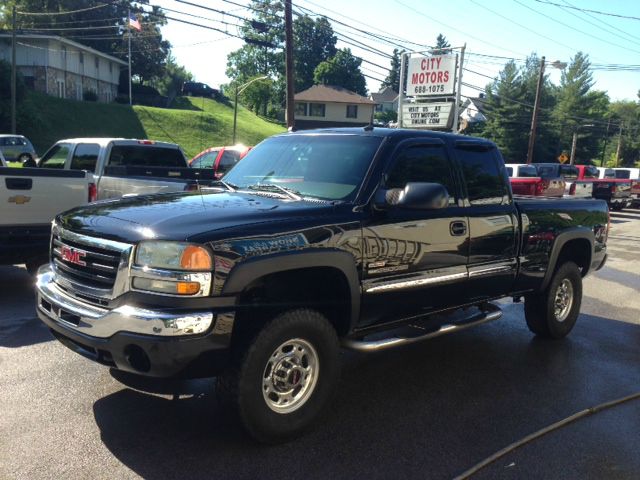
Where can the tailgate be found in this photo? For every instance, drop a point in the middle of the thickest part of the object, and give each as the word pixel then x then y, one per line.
pixel 582 189
pixel 34 196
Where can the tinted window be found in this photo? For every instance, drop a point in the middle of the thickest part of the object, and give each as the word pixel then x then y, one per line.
pixel 509 171
pixel 591 172
pixel 485 181
pixel 547 171
pixel 625 174
pixel 527 171
pixel 146 156
pixel 609 173
pixel 206 160
pixel 568 172
pixel 324 166
pixel 422 163
pixel 228 160
pixel 55 157
pixel 85 157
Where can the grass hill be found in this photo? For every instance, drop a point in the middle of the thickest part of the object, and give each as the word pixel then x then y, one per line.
pixel 194 123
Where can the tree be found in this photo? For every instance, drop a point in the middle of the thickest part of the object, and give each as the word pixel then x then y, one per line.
pixel 393 78
pixel 507 119
pixel 342 70
pixel 169 83
pixel 263 53
pixel 626 113
pixel 314 42
pixel 442 45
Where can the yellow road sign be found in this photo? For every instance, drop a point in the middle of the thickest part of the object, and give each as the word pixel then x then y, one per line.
pixel 563 158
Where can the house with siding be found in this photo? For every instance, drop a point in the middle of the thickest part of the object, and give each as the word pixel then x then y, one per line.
pixel 386 100
pixel 331 106
pixel 63 68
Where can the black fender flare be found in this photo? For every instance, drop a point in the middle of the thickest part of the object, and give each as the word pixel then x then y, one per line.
pixel 575 233
pixel 254 268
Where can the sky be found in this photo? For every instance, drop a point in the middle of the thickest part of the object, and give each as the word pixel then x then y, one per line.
pixel 489 28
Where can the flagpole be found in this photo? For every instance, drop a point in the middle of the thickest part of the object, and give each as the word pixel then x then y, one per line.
pixel 129 38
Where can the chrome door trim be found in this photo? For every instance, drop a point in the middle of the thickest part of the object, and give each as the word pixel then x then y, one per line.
pixel 429 277
pixel 483 270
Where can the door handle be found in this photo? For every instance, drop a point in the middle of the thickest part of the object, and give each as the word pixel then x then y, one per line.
pixel 458 229
pixel 18 183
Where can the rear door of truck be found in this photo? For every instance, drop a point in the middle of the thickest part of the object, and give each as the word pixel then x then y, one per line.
pixel 492 219
pixel 157 169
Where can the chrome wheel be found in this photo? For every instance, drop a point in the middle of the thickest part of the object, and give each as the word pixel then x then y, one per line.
pixel 563 300
pixel 290 376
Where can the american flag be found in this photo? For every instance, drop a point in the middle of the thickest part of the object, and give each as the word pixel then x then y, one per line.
pixel 134 23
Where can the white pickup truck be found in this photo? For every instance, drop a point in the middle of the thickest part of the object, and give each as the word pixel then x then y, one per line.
pixel 29 200
pixel 125 167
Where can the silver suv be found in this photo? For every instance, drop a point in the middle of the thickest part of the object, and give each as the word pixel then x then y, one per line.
pixel 17 148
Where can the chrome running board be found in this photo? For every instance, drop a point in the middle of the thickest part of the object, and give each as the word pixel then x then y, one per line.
pixel 490 313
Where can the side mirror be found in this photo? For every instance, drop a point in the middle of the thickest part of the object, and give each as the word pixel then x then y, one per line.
pixel 415 195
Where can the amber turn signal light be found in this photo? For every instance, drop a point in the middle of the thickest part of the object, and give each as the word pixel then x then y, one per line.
pixel 195 258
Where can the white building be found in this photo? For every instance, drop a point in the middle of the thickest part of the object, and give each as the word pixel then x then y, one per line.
pixel 63 68
pixel 331 106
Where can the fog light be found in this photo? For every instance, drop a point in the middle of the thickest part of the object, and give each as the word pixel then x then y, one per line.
pixel 163 286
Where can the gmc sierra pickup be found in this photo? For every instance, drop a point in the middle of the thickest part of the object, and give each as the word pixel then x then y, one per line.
pixel 365 238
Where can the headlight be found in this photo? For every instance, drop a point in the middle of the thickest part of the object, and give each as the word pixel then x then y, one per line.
pixel 173 256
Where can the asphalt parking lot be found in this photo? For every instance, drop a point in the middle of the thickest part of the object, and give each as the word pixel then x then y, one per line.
pixel 429 410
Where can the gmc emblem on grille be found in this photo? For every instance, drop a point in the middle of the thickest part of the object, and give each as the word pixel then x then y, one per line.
pixel 73 255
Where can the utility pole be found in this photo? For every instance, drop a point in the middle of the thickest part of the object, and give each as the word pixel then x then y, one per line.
pixel 235 116
pixel 456 110
pixel 288 28
pixel 606 137
pixel 534 117
pixel 129 56
pixel 573 147
pixel 619 145
pixel 13 73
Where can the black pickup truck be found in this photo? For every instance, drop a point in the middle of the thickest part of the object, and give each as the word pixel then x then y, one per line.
pixel 361 238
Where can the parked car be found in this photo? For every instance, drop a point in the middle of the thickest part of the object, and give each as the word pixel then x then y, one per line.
pixel 615 191
pixel 220 159
pixel 127 167
pixel 525 181
pixel 29 200
pixel 197 89
pixel 570 174
pixel 319 239
pixel 17 148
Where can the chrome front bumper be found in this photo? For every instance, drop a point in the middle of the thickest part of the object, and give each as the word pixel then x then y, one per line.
pixel 98 322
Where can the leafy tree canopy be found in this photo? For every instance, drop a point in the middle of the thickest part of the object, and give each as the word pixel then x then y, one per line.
pixel 342 70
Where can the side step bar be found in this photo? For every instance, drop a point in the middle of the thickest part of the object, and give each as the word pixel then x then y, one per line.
pixel 491 312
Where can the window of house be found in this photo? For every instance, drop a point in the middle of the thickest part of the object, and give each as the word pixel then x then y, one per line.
pixel 81 57
pixel 486 185
pixel 301 109
pixel 110 67
pixel 316 109
pixel 85 157
pixel 422 163
pixel 352 111
pixel 97 63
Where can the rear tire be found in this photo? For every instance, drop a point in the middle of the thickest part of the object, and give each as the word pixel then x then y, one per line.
pixel 553 313
pixel 286 376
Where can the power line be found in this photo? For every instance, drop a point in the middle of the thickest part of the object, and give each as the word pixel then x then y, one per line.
pixel 612 30
pixel 589 34
pixel 68 12
pixel 591 11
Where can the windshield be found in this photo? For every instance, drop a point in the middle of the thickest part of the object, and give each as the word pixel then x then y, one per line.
pixel 329 167
pixel 527 171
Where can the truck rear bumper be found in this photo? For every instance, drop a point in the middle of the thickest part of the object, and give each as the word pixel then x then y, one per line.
pixel 157 343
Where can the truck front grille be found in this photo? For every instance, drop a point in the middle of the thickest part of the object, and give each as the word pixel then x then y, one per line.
pixel 88 267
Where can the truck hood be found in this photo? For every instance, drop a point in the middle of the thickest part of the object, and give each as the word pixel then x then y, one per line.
pixel 182 216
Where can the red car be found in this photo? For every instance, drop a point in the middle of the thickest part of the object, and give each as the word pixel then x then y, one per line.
pixel 221 159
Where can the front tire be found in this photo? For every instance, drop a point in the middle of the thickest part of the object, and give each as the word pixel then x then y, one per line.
pixel 553 313
pixel 286 377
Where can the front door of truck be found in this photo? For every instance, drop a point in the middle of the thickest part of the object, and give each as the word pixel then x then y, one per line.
pixel 492 217
pixel 414 260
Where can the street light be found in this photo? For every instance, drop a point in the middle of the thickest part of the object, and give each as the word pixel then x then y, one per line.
pixel 239 90
pixel 575 141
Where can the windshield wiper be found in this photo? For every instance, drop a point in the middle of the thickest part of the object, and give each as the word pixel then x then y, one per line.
pixel 291 193
pixel 229 186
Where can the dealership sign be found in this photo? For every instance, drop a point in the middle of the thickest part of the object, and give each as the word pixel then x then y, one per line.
pixel 427 115
pixel 433 75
